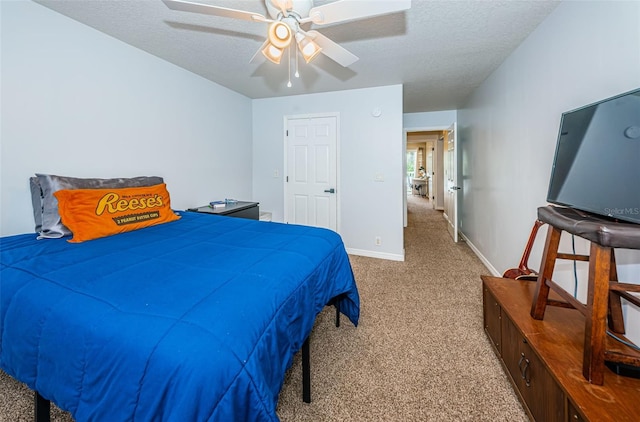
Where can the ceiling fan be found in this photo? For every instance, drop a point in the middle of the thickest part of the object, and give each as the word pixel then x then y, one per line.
pixel 288 16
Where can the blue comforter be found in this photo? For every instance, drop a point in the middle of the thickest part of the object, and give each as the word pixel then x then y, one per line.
pixel 194 320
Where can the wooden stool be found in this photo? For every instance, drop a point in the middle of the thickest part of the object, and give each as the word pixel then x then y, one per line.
pixel 604 291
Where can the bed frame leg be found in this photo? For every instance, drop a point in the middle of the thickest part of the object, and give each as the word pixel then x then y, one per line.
pixel 306 361
pixel 336 302
pixel 306 372
pixel 42 408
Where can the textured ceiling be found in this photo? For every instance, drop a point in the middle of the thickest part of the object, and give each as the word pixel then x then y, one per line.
pixel 439 50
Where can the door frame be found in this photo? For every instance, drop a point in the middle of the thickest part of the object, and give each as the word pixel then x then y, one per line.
pixel 405 131
pixel 454 228
pixel 338 193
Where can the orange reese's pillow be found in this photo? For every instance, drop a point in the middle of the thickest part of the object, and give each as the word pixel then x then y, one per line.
pixel 95 213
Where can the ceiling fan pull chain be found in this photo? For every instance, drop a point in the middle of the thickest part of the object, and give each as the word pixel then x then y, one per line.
pixel 289 69
pixel 297 74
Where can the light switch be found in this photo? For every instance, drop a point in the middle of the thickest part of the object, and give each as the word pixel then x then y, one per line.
pixel 379 177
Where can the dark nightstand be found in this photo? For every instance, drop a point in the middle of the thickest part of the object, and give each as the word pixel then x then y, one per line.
pixel 240 209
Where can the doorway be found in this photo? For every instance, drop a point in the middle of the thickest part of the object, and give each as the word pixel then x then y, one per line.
pixel 423 166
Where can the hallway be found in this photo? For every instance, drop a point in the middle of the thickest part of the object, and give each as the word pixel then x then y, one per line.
pixel 425 226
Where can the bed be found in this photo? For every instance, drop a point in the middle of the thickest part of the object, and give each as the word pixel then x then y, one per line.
pixel 192 320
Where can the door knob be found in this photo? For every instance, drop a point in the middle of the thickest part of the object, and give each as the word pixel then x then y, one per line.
pixel 332 190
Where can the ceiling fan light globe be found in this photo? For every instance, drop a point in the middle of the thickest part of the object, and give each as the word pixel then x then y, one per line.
pixel 280 35
pixel 310 49
pixel 310 52
pixel 307 47
pixel 281 32
pixel 273 53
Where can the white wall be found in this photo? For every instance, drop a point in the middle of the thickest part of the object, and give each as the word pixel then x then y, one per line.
pixel 77 102
pixel 368 145
pixel 428 120
pixel 583 52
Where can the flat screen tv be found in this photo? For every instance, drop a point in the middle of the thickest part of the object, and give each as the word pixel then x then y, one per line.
pixel 597 161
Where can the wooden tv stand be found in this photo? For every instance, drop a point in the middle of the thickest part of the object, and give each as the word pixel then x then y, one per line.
pixel 543 359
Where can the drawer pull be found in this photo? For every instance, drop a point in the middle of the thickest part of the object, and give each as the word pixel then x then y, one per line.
pixel 520 362
pixel 523 369
pixel 525 375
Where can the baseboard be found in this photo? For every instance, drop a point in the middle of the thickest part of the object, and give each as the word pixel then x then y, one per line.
pixel 484 260
pixel 373 254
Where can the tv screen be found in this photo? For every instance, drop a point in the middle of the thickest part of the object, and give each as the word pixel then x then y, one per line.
pixel 597 161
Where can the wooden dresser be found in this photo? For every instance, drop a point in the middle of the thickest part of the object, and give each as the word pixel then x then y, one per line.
pixel 543 359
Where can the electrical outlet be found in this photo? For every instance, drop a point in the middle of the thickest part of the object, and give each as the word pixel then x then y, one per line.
pixel 378 241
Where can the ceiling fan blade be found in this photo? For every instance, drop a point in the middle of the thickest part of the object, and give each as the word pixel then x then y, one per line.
pixel 335 52
pixel 283 5
pixel 257 53
pixel 347 10
pixel 186 6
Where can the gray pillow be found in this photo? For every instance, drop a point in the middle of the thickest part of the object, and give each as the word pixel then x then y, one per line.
pixel 36 201
pixel 49 225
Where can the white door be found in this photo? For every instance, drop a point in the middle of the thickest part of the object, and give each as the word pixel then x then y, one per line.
pixel 451 182
pixel 430 172
pixel 311 179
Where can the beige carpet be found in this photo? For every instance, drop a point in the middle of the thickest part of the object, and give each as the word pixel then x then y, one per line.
pixel 419 353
